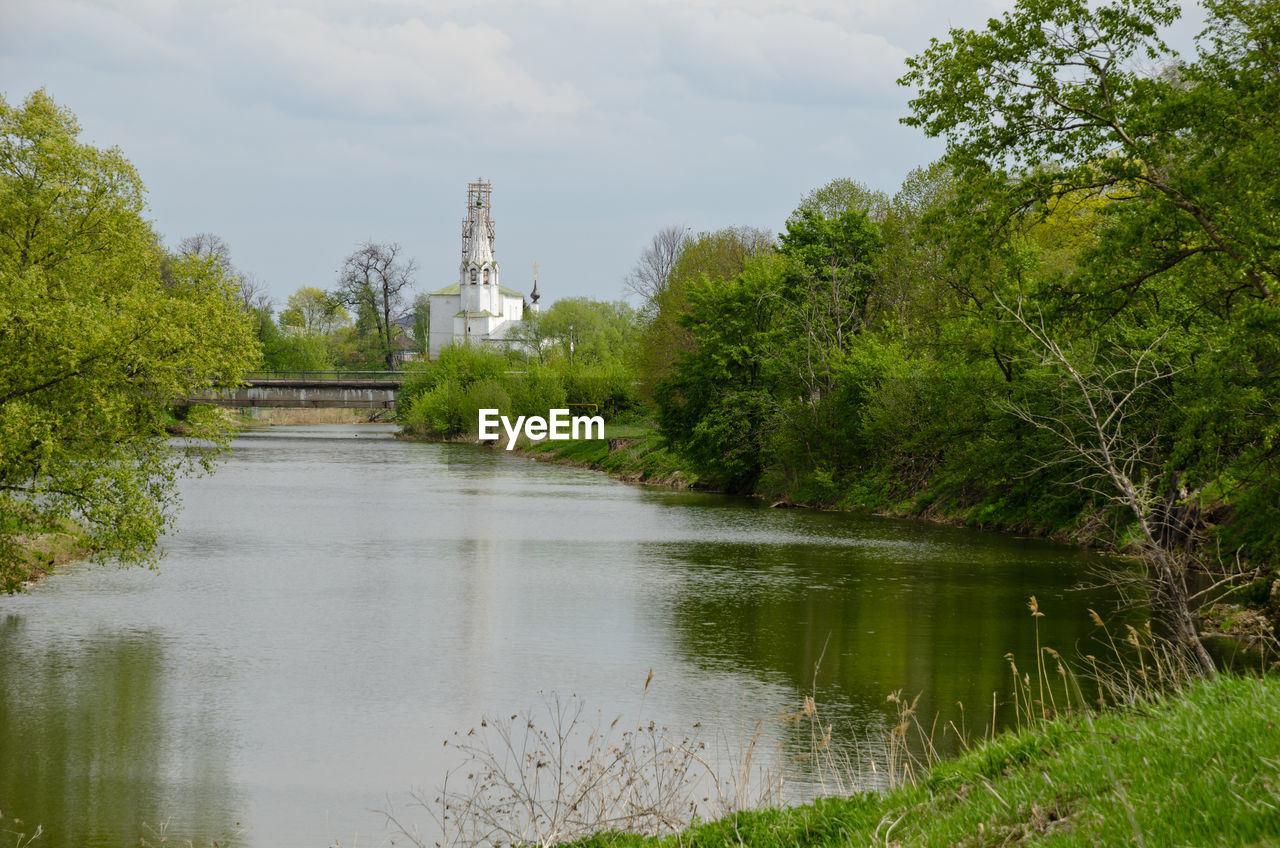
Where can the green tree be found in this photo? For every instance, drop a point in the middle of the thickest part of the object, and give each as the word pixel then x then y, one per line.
pixel 590 331
pixel 1149 313
pixel 422 322
pixel 313 311
pixel 844 195
pixel 95 342
pixel 1047 102
pixel 716 404
pixel 719 255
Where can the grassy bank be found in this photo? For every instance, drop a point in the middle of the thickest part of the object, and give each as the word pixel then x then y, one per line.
pixel 628 452
pixel 1199 768
pixel 41 546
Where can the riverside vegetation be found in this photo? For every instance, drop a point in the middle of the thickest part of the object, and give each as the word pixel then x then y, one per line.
pixel 99 328
pixel 1068 326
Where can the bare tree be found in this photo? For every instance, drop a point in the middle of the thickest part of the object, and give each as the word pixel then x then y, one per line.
pixel 372 281
pixel 213 247
pixel 208 246
pixel 653 269
pixel 1096 423
pixel 253 292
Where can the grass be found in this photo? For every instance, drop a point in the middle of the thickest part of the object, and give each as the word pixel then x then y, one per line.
pixel 1198 768
pixel 36 544
pixel 642 456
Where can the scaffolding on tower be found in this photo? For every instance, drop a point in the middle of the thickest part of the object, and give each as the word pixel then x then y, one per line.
pixel 477 208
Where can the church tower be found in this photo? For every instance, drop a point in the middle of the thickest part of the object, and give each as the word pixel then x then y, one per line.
pixel 477 309
pixel 478 275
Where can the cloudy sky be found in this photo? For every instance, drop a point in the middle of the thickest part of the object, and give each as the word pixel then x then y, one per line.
pixel 297 130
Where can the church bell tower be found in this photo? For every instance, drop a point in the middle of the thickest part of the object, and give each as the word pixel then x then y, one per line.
pixel 478 278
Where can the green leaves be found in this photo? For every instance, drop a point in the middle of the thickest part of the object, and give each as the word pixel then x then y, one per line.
pixel 94 344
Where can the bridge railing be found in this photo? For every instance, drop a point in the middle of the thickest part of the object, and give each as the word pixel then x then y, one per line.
pixel 388 376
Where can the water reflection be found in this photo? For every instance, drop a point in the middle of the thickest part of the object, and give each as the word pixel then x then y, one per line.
pixel 91 753
pixel 854 620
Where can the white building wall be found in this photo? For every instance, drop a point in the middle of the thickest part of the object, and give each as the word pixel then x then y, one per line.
pixel 443 308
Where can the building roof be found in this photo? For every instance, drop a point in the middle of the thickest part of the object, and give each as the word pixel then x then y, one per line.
pixel 456 288
pixel 481 252
pixel 482 314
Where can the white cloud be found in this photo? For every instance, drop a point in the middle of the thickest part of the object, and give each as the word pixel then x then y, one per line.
pixel 777 56
pixel 405 69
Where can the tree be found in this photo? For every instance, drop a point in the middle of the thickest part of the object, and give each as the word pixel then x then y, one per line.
pixel 719 255
pixel 1096 418
pixel 373 280
pixel 589 331
pixel 715 404
pixel 652 271
pixel 313 311
pixel 95 341
pixel 836 255
pixel 1156 192
pixel 212 247
pixel 422 322
pixel 844 195
pixel 1048 102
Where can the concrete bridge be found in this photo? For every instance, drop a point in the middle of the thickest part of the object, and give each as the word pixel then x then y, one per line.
pixel 309 390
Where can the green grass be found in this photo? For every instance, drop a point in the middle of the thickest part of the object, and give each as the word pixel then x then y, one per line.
pixel 647 458
pixel 1201 768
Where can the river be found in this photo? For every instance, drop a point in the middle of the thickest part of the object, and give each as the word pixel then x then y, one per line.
pixel 335 603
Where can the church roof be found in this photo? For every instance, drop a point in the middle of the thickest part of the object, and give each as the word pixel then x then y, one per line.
pixel 456 288
pixel 481 252
pixel 484 313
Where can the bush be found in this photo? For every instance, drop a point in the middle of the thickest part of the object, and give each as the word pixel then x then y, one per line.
pixel 611 389
pixel 438 413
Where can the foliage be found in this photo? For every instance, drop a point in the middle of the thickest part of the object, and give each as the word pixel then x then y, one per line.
pixel 442 399
pixel 843 195
pixel 373 280
pixel 720 254
pixel 587 331
pixel 312 311
pixel 715 406
pixel 1113 221
pixel 96 342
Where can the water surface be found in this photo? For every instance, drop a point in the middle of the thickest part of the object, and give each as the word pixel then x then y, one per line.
pixel 336 603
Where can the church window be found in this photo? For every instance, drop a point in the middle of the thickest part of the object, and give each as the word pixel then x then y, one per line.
pixel 473 275
pixel 486 276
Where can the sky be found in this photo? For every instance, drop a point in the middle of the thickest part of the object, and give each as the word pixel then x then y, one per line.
pixel 298 130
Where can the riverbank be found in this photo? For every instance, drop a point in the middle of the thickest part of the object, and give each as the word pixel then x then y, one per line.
pixel 634 454
pixel 1198 768
pixel 44 552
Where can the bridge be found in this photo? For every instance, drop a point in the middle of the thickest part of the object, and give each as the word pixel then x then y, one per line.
pixel 309 390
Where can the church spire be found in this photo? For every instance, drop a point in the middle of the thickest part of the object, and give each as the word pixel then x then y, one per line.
pixel 478 269
pixel 480 251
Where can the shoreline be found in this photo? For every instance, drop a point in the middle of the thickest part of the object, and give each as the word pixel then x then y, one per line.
pixel 631 459
pixel 45 553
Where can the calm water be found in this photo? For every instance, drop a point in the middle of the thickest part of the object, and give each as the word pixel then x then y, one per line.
pixel 336 603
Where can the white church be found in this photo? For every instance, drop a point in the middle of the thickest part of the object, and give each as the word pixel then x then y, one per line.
pixel 477 309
